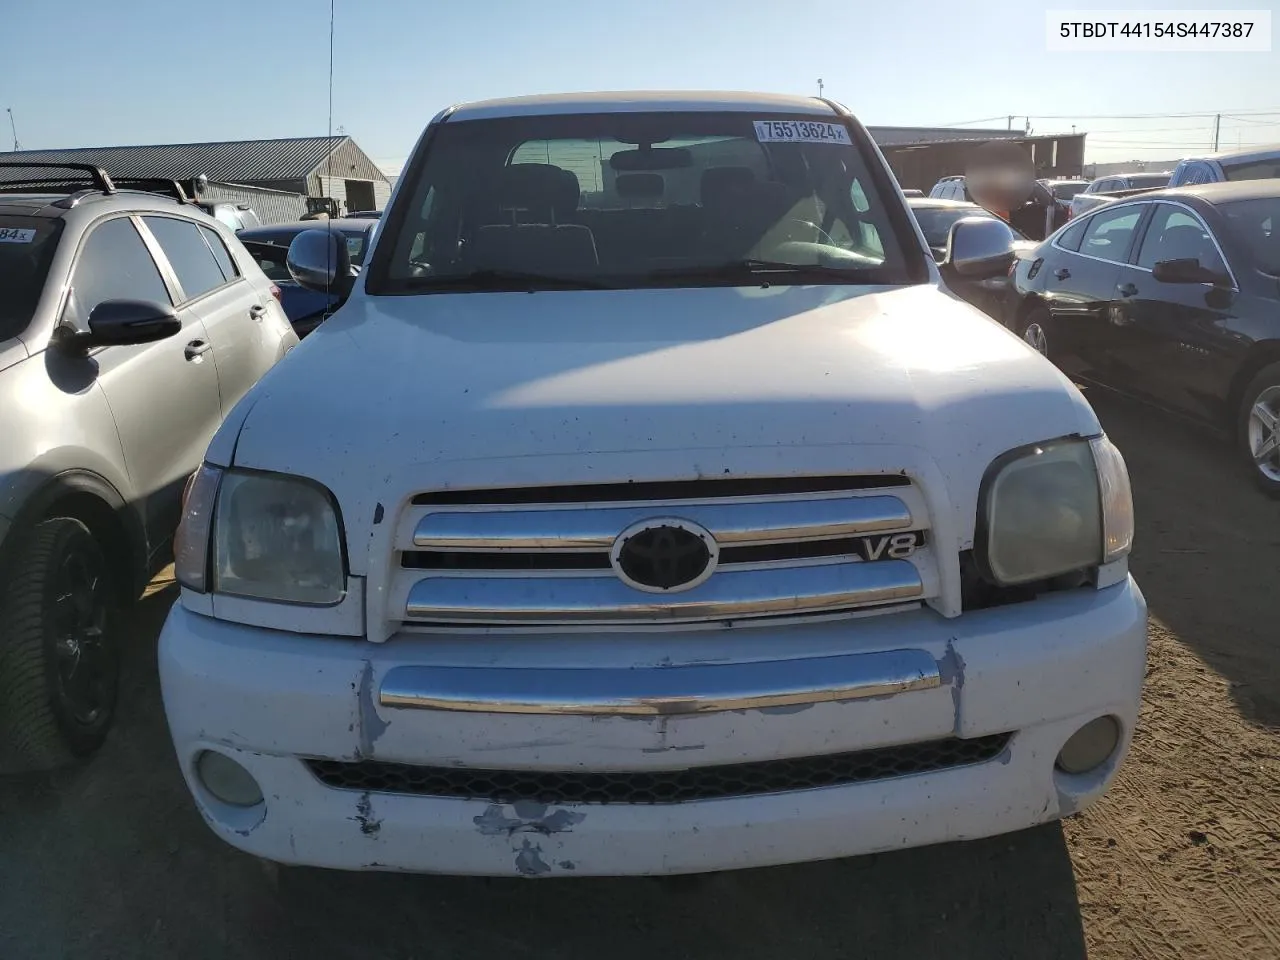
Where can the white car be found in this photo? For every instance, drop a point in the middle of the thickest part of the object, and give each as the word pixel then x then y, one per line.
pixel 650 507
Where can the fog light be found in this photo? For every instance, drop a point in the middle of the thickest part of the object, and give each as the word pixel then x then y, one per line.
pixel 1090 746
pixel 227 780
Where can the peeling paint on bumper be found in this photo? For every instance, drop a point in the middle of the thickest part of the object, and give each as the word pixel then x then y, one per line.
pixel 268 699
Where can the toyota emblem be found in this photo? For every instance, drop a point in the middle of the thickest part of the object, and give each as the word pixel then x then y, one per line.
pixel 664 555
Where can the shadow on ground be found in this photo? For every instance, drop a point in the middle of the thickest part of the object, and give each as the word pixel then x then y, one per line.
pixel 112 860
pixel 1204 534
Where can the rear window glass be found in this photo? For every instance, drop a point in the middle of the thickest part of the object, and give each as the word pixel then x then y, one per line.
pixel 1070 238
pixel 27 245
pixel 220 253
pixel 355 247
pixel 1065 191
pixel 272 261
pixel 935 223
pixel 1256 226
pixel 1254 170
pixel 1139 180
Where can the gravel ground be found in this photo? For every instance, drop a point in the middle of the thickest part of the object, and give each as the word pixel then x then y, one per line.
pixel 1181 859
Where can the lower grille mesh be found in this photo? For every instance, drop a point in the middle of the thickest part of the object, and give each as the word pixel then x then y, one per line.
pixel 659 786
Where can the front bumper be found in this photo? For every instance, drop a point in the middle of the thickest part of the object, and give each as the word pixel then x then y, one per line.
pixel 269 700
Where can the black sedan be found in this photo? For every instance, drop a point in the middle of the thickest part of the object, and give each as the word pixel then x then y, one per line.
pixel 269 245
pixel 1173 297
pixel 936 218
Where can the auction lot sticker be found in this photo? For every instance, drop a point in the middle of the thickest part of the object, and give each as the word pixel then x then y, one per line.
pixel 801 131
pixel 15 235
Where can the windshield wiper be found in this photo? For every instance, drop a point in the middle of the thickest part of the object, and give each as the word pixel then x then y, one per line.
pixel 762 270
pixel 503 280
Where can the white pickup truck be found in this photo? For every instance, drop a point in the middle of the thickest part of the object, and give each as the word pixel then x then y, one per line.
pixel 651 507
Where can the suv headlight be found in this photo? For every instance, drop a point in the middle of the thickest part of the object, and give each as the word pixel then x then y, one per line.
pixel 267 536
pixel 1054 508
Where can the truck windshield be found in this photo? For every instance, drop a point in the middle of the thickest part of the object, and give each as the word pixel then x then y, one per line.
pixel 26 249
pixel 640 199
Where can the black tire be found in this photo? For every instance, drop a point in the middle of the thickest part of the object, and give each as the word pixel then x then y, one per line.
pixel 1037 317
pixel 59 656
pixel 1267 381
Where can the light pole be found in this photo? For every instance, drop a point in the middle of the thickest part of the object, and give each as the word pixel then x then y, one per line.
pixel 819 88
pixel 14 127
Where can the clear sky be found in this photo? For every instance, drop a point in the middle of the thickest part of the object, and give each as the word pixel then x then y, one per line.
pixel 88 73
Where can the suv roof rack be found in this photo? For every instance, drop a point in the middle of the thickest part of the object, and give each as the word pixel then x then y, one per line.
pixel 96 174
pixel 163 185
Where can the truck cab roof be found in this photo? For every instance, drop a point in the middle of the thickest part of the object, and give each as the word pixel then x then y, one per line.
pixel 637 102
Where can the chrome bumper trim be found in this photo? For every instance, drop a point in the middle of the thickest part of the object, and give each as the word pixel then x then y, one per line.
pixel 594 527
pixel 660 691
pixel 727 595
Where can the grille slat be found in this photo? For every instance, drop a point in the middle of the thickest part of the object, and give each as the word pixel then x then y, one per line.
pixel 594 527
pixel 660 786
pixel 855 547
pixel 603 598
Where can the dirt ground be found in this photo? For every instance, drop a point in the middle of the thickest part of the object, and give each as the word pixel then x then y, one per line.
pixel 1181 859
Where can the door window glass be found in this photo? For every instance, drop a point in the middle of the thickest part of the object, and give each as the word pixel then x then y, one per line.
pixel 189 255
pixel 1108 234
pixel 1174 234
pixel 114 264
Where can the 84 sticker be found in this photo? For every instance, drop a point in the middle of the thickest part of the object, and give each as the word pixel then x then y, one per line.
pixel 801 131
pixel 16 235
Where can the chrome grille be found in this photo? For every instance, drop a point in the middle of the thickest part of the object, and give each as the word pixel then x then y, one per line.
pixel 539 556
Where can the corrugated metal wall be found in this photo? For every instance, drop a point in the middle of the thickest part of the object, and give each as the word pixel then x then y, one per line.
pixel 271 206
pixel 348 160
pixel 381 194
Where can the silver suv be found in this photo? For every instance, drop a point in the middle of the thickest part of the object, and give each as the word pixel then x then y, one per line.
pixel 130 324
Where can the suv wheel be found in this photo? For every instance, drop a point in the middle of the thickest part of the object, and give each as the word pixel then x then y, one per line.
pixel 59 662
pixel 1258 428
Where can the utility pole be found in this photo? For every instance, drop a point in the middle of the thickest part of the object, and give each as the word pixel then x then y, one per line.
pixel 14 127
pixel 1217 123
pixel 819 88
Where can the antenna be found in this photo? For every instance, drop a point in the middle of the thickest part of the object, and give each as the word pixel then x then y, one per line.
pixel 14 127
pixel 329 164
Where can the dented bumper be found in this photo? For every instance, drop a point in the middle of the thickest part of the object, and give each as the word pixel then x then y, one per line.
pixel 649 705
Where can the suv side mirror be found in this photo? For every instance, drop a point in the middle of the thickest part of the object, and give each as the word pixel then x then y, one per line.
pixel 318 260
pixel 1186 270
pixel 118 323
pixel 978 248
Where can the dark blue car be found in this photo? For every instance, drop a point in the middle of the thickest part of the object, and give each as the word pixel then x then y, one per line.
pixel 269 245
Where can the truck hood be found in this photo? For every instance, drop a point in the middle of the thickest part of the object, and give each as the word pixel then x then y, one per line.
pixel 396 395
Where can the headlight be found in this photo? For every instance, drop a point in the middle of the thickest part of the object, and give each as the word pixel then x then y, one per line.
pixel 1054 508
pixel 263 535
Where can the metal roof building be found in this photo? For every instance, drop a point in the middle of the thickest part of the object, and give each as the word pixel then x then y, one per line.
pixel 920 156
pixel 312 166
pixel 899 136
